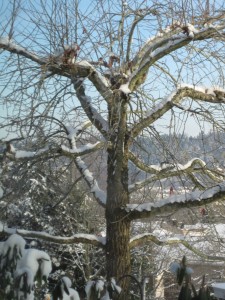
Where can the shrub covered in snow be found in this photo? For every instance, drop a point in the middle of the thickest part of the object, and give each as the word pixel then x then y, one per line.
pixel 64 291
pixel 38 199
pixel 21 269
pixel 188 291
pixel 101 289
pixel 24 271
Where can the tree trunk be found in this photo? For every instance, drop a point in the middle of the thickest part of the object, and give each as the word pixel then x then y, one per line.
pixel 118 252
pixel 118 233
pixel 118 227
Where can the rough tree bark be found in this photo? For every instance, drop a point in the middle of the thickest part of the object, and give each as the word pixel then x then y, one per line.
pixel 117 226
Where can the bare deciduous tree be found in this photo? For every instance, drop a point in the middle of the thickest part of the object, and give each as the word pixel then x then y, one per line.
pixel 81 78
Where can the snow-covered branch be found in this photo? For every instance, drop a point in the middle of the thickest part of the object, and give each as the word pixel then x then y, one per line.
pixel 82 150
pixel 154 169
pixel 98 193
pixel 94 116
pixel 175 202
pixel 205 94
pixel 148 237
pixel 11 46
pixel 15 154
pixel 72 134
pixel 168 170
pixel 99 81
pixel 74 239
pixel 163 44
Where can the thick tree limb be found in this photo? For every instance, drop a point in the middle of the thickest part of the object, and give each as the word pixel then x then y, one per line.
pixel 100 241
pixel 80 69
pixel 94 116
pixel 164 171
pixel 16 154
pixel 84 69
pixel 99 194
pixel 159 47
pixel 10 46
pixel 90 239
pixel 148 237
pixel 154 169
pixel 175 202
pixel 211 95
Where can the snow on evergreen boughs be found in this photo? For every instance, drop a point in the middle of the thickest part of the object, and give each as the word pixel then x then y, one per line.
pixel 21 267
pixel 11 251
pixel 63 290
pixel 101 289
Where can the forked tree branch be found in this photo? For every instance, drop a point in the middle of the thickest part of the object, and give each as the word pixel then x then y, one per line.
pixel 160 46
pixel 210 95
pixel 92 183
pixel 80 69
pixel 163 171
pixel 82 150
pixel 148 237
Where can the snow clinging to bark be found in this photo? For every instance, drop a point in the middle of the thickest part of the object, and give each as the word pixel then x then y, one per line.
pixel 210 90
pixel 100 194
pixel 81 149
pixel 188 197
pixel 125 88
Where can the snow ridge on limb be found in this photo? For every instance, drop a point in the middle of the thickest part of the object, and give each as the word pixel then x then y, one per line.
pixel 11 46
pixel 167 170
pixel 99 81
pixel 172 203
pixel 161 45
pixel 15 154
pixel 154 169
pixel 86 149
pixel 95 118
pixel 205 94
pixel 72 134
pixel 74 239
pixel 98 193
pixel 148 237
